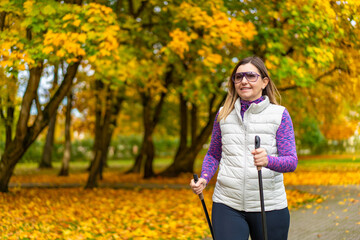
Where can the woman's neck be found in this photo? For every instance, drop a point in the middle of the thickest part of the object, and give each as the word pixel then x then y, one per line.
pixel 260 99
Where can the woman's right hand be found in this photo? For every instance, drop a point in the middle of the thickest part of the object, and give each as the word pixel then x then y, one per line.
pixel 199 186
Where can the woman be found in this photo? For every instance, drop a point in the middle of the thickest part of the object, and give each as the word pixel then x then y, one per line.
pixel 250 109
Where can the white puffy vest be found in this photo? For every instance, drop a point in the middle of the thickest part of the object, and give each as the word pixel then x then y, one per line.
pixel 237 183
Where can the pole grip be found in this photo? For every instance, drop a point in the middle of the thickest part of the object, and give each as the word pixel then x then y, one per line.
pixel 257 142
pixel 196 179
pixel 257 145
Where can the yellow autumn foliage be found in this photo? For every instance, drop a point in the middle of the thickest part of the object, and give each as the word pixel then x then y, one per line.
pixel 216 31
pixel 102 32
pixel 180 40
pixel 107 213
pixel 339 131
pixel 64 43
pixel 13 57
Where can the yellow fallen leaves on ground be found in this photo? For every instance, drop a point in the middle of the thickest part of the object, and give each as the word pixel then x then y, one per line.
pixel 75 213
pixel 322 178
pixel 101 213
pixel 104 213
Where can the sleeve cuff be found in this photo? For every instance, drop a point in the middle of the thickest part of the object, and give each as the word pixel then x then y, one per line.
pixel 207 177
pixel 270 162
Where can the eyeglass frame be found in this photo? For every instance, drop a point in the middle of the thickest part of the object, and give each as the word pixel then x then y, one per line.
pixel 243 75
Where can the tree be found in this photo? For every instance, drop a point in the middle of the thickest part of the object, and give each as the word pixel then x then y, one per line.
pixel 152 75
pixel 203 43
pixel 46 160
pixel 312 52
pixel 106 115
pixel 151 114
pixel 110 78
pixel 64 171
pixel 51 31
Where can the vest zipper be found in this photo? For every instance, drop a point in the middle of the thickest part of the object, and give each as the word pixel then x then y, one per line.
pixel 245 162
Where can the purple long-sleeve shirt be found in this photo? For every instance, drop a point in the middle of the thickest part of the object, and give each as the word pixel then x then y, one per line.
pixel 286 161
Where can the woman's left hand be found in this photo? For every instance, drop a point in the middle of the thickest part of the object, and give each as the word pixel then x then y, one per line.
pixel 260 158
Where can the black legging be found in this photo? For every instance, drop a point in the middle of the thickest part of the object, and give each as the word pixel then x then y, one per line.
pixel 231 224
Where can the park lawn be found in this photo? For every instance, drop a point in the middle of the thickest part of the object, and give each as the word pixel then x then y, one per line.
pixel 325 171
pixel 106 213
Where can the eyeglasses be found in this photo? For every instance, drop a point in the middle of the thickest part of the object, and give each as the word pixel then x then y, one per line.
pixel 250 76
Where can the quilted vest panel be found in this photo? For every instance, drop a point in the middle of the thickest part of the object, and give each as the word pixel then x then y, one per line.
pixel 237 183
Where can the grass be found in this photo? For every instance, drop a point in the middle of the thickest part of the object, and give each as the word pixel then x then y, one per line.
pixel 329 164
pixel 31 168
pixel 315 163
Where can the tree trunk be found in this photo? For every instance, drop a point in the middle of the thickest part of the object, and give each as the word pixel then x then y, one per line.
pixel 64 171
pixel 149 145
pixel 9 159
pixel 94 170
pixel 25 135
pixel 8 123
pixel 104 128
pixel 108 129
pixel 98 120
pixel 183 126
pixel 194 121
pixel 101 150
pixel 150 120
pixel 2 20
pixel 105 149
pixel 139 163
pixel 184 162
pixel 95 165
pixel 136 168
pixel 9 109
pixel 46 160
pixel 150 155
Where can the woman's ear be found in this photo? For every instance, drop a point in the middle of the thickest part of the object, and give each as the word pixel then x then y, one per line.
pixel 265 81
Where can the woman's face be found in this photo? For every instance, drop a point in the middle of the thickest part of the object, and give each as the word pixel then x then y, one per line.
pixel 250 91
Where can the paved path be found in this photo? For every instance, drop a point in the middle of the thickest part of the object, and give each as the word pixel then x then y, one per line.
pixel 337 218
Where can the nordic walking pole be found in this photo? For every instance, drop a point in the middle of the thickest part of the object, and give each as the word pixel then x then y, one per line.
pixel 201 196
pixel 263 215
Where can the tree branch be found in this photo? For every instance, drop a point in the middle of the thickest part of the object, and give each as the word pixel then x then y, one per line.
pixel 131 7
pixel 119 4
pixel 38 106
pixel 194 121
pixel 158 109
pixel 77 2
pixel 2 20
pixel 54 102
pixel 283 89
pixel 289 51
pixel 327 73
pixel 30 94
pixel 1 112
pixel 141 8
pixel 28 33
pixel 9 123
pixel 317 79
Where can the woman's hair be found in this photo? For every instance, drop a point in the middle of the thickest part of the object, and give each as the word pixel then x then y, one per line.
pixel 270 89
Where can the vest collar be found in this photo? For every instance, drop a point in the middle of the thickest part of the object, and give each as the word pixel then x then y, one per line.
pixel 254 108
